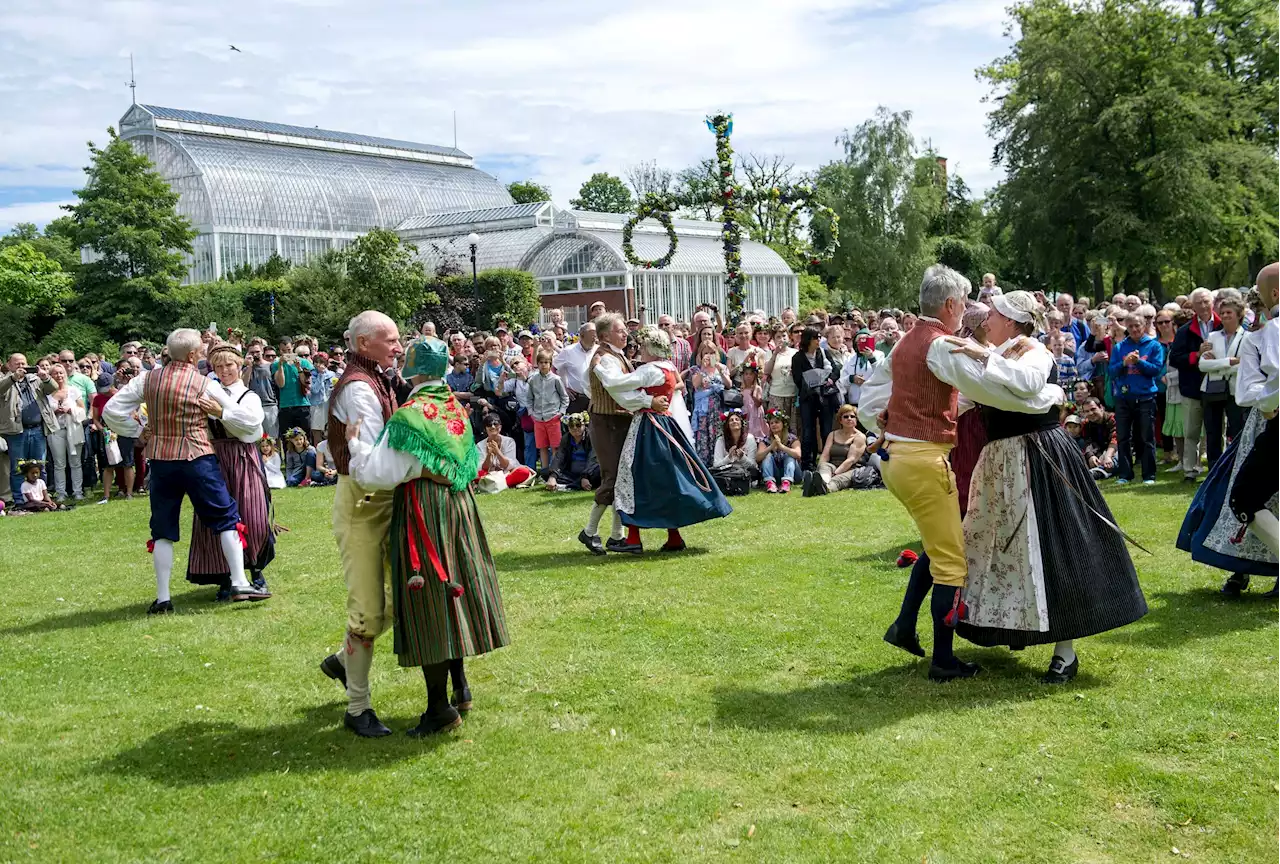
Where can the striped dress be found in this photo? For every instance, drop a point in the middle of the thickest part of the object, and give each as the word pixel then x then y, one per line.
pixel 432 625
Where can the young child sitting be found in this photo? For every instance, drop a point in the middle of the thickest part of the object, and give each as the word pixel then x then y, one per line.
pixel 271 463
pixel 34 493
pixel 300 462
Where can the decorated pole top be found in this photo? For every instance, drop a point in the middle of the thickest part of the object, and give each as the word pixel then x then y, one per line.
pixel 730 197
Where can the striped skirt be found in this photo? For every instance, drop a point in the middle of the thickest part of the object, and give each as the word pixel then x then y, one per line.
pixel 432 625
pixel 241 466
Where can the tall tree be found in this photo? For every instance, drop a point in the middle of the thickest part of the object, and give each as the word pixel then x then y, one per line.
pixel 126 215
pixel 54 243
pixel 528 192
pixel 700 183
pixel 603 193
pixel 386 273
pixel 770 221
pixel 30 279
pixel 647 178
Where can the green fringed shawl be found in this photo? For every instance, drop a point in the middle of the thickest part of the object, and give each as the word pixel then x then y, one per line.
pixel 433 428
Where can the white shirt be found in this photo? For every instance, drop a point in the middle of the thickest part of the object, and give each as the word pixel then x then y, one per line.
pixel 1019 385
pixel 1218 367
pixel 651 375
pixel 857 365
pixel 271 465
pixel 621 387
pixel 508 448
pixel 243 419
pixel 119 410
pixel 781 384
pixel 357 401
pixel 375 466
pixel 571 365
pixel 1259 369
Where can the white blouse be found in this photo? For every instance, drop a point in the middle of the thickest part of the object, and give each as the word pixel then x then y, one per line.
pixel 243 417
pixel 781 384
pixel 1218 367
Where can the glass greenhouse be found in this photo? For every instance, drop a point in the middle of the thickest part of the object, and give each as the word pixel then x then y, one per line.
pixel 253 188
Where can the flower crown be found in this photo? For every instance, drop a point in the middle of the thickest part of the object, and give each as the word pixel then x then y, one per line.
pixel 294 432
pixel 582 418
pixel 25 464
pixel 725 415
pixel 779 415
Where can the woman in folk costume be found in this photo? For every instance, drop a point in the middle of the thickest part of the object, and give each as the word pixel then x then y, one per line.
pixel 662 483
pixel 1047 564
pixel 443 583
pixel 234 432
pixel 1239 493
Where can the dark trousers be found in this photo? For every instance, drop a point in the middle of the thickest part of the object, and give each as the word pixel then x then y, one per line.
pixel 299 416
pixel 814 413
pixel 1136 431
pixel 1216 412
pixel 608 434
pixel 200 480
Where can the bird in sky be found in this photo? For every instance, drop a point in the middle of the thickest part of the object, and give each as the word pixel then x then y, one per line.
pixel 235 49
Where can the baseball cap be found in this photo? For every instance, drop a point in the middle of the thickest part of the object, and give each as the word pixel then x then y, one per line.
pixel 1074 418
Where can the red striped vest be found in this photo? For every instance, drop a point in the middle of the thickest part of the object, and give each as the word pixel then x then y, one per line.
pixel 178 429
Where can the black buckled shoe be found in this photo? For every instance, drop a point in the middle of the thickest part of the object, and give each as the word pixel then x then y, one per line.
pixel 899 638
pixel 332 667
pixel 461 699
pixel 592 543
pixel 1060 671
pixel 1235 585
pixel 160 607
pixel 434 724
pixel 623 546
pixel 961 669
pixel 366 724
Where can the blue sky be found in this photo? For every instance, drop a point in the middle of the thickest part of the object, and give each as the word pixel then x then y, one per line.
pixel 551 90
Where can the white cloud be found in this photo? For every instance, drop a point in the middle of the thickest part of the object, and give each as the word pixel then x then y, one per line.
pixel 39 212
pixel 557 89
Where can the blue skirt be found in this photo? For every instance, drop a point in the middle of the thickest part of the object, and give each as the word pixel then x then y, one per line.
pixel 669 486
pixel 1203 515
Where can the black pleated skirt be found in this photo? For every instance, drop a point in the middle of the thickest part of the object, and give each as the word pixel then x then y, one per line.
pixel 1089 580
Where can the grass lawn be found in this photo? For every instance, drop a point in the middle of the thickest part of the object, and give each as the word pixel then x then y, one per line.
pixel 735 702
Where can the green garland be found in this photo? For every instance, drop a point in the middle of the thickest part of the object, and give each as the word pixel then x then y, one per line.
pixel 652 207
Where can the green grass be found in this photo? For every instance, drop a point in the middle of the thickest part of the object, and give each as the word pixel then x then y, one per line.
pixel 735 703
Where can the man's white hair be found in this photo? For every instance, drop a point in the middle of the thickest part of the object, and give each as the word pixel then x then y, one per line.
pixel 182 342
pixel 1201 294
pixel 1146 309
pixel 368 324
pixel 940 284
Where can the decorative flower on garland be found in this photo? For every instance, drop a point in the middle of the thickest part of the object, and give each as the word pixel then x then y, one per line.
pixel 652 207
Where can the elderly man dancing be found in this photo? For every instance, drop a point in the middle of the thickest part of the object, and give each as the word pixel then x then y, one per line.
pixel 361 518
pixel 178 400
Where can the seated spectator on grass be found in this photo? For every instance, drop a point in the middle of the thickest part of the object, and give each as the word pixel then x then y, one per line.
pixel 301 468
pixel 735 446
pixel 499 467
pixel 1072 425
pixel 271 463
pixel 35 495
pixel 841 457
pixel 778 455
pixel 1098 430
pixel 574 464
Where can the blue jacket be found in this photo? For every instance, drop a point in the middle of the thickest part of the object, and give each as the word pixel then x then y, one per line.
pixel 1140 380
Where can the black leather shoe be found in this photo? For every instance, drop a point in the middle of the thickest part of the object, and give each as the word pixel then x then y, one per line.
pixel 899 638
pixel 366 724
pixel 1060 671
pixel 1235 585
pixel 433 724
pixel 592 543
pixel 159 607
pixel 623 546
pixel 462 700
pixel 333 668
pixel 250 593
pixel 961 669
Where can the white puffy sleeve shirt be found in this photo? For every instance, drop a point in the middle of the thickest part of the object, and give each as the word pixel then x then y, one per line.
pixel 374 465
pixel 242 415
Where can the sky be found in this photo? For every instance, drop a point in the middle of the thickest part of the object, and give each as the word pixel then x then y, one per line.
pixel 551 90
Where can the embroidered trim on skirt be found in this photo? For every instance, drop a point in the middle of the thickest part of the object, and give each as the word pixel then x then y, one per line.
pixel 1090 584
pixel 241 467
pixel 1209 529
pixel 430 625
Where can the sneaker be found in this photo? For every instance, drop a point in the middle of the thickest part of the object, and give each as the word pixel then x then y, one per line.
pixel 1148 482
pixel 1174 468
pixel 770 486
pixel 786 487
pixel 1122 482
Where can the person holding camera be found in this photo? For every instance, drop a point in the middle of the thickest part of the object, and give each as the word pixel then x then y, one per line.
pixel 26 417
pixel 815 376
pixel 292 375
pixel 256 375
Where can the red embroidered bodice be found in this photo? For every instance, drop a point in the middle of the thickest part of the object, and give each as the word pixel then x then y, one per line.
pixel 670 381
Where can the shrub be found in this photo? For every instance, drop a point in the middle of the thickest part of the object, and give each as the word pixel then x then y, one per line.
pixel 79 337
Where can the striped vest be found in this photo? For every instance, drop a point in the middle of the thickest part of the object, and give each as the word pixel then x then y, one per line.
pixel 177 427
pixel 920 406
pixel 601 401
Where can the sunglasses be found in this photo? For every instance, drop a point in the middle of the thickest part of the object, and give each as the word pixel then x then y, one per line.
pixel 848 416
pixel 86 365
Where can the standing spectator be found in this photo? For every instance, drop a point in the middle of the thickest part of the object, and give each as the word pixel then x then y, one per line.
pixel 80 376
pixel 815 378
pixel 1070 323
pixel 322 381
pixel 1218 362
pixel 571 365
pixel 25 416
pixel 66 442
pixel 741 348
pixel 780 392
pixel 1136 363
pixel 292 376
pixel 1184 355
pixel 681 350
pixel 546 399
pixel 858 368
pixel 1065 361
pixel 1167 401
pixel 708 378
pixel 753 398
pixel 837 351
pixel 257 377
pixel 118 461
pixel 460 379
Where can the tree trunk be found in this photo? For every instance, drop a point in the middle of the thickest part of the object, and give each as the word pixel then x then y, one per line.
pixel 1257 260
pixel 1096 275
pixel 1155 288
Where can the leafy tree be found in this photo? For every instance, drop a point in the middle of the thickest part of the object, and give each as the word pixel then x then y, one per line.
pixel 700 182
pixel 126 215
pixel 813 293
pixel 275 267
pixel 316 297
pixel 509 294
pixel 80 338
pixel 770 222
pixel 221 302
pixel 54 243
pixel 603 193
pixel 528 192
pixel 648 178
pixel 31 280
pixel 385 273
pixel 15 330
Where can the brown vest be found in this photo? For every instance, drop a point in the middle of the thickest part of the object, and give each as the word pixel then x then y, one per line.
pixel 177 425
pixel 358 369
pixel 920 406
pixel 601 401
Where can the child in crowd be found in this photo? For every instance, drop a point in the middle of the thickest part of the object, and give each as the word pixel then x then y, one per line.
pixel 778 454
pixel 271 463
pixel 461 378
pixel 300 462
pixel 1073 430
pixel 1066 362
pixel 753 397
pixel 546 399
pixel 34 492
pixel 574 465
pixel 322 380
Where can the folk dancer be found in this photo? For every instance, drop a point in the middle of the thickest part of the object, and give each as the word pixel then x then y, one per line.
pixel 183 464
pixel 443 583
pixel 362 398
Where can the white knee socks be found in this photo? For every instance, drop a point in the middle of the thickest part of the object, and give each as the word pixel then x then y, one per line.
pixel 1066 650
pixel 616 533
pixel 359 660
pixel 593 521
pixel 234 553
pixel 162 560
pixel 1265 528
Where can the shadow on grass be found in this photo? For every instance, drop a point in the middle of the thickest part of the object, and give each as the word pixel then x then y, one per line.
pixel 198 600
pixel 872 700
pixel 1178 617
pixel 578 557
pixel 203 753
